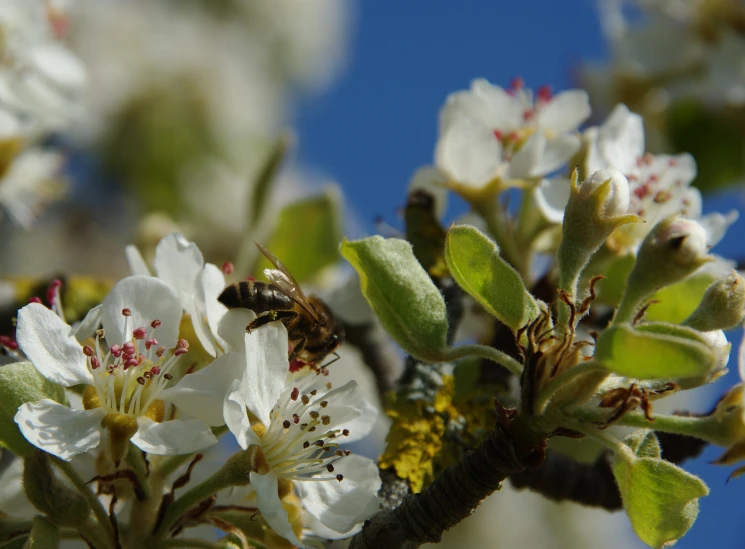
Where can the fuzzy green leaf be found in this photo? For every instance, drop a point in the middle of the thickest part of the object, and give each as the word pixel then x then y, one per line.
pixel 660 498
pixel 307 235
pixel 20 382
pixel 406 301
pixel 676 302
pixel 474 262
pixel 44 535
pixel 627 351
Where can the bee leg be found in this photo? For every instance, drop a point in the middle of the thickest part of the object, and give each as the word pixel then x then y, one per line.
pixel 271 316
pixel 330 362
pixel 299 347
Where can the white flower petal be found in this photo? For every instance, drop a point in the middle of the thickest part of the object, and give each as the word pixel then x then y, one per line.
pixel 469 153
pixel 232 328
pixel 59 430
pixel 209 285
pixel 526 161
pixel 172 437
pixel 340 505
pixel 551 198
pixel 565 112
pixel 149 299
pixel 90 323
pixel 268 502
pixel 178 262
pixel 557 153
pixel 50 345
pixel 348 409
pixel 236 418
pixel 136 262
pixel 266 368
pixel 620 141
pixel 501 111
pixel 716 225
pixel 201 394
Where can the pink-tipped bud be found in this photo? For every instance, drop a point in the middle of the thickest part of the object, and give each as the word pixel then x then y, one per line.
pixel 95 363
pixel 34 300
pixel 126 311
pixel 139 333
pixel 155 323
pixel 88 350
pixel 116 350
pixel 160 351
pixel 228 268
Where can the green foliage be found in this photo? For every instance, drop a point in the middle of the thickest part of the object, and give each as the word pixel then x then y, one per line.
pixel 716 139
pixel 307 235
pixel 20 382
pixel 44 535
pixel 679 300
pixel 404 298
pixel 644 354
pixel 474 262
pixel 660 498
pixel 266 177
pixel 50 495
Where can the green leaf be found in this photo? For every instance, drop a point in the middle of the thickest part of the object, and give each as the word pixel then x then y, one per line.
pixel 474 262
pixel 307 235
pixel 406 301
pixel 678 301
pixel 660 498
pixel 641 354
pixel 20 382
pixel 44 535
pixel 715 136
pixel 644 443
pixel 265 179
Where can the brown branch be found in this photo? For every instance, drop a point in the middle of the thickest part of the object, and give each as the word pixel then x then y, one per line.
pixel 422 518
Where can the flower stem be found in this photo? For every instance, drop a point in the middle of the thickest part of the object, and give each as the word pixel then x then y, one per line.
pixel 489 353
pixel 562 380
pixel 498 224
pixel 98 509
pixel 235 472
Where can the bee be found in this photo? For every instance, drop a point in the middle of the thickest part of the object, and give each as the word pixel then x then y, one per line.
pixel 311 327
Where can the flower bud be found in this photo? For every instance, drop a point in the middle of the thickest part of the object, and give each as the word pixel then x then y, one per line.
pixel 51 496
pixel 722 306
pixel 672 251
pixel 595 209
pixel 610 190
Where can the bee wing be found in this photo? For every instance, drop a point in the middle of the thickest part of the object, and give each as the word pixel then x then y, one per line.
pixel 285 282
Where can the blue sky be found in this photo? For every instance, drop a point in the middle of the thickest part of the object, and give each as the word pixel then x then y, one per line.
pixel 378 123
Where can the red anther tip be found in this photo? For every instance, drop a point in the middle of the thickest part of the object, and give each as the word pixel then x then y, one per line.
pixel 227 268
pixel 139 333
pixel 34 300
pixel 127 311
pixel 498 135
pixel 517 83
pixel 544 93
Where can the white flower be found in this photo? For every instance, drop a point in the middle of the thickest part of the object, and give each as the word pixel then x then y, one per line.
pixel 489 133
pixel 27 182
pixel 40 79
pixel 179 263
pixel 140 317
pixel 297 427
pixel 660 185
